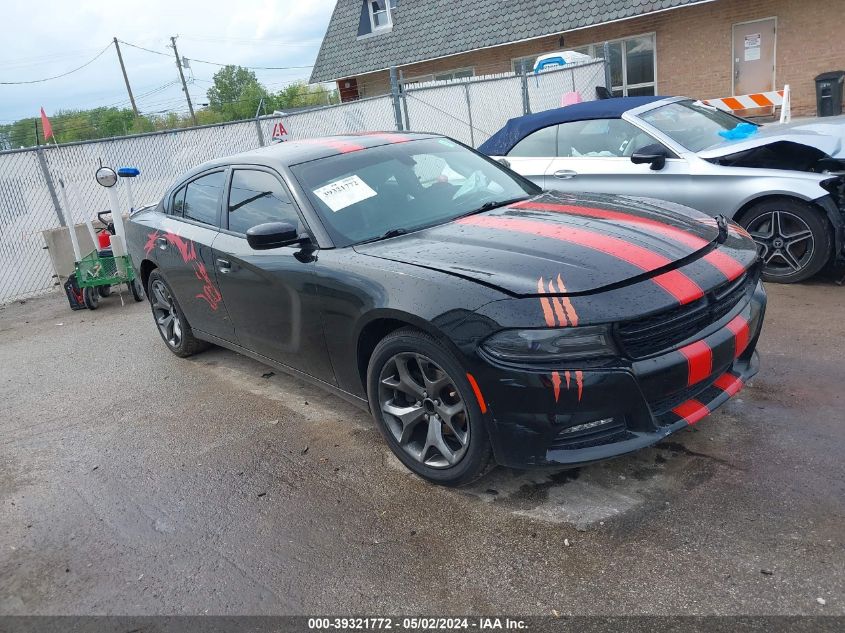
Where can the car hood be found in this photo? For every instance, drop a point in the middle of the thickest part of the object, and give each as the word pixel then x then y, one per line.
pixel 588 241
pixel 828 138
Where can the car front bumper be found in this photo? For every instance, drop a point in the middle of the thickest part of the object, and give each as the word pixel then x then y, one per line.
pixel 572 415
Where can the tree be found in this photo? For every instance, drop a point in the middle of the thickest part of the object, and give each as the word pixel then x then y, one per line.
pixel 236 93
pixel 301 95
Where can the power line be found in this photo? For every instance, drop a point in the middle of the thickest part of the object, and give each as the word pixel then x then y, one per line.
pixel 248 40
pixel 70 72
pixel 203 61
pixel 149 50
pixel 45 59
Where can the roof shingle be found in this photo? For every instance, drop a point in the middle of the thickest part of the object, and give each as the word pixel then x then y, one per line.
pixel 427 29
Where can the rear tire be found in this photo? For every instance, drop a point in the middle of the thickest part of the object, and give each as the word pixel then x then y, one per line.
pixel 436 427
pixel 793 238
pixel 104 291
pixel 170 321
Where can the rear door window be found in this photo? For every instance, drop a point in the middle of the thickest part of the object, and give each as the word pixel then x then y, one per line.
pixel 177 202
pixel 537 144
pixel 202 198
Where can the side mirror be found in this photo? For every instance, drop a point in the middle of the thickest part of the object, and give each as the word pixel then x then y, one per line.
pixel 657 161
pixel 272 235
pixel 505 162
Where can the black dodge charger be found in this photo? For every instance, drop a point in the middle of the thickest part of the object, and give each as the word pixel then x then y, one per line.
pixel 480 320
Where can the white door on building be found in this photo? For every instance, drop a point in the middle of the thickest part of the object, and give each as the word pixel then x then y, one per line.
pixel 754 58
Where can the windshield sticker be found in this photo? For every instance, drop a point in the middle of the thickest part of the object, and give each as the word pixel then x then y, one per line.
pixel 344 192
pixel 443 141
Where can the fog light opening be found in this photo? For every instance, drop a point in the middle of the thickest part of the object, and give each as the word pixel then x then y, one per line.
pixel 587 426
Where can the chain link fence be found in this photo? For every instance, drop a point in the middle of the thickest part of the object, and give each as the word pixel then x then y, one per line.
pixel 31 200
pixel 471 110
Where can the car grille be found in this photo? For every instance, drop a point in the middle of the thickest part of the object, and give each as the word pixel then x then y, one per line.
pixel 644 337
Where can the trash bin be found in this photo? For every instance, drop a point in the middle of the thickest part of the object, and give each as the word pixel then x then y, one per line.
pixel 829 93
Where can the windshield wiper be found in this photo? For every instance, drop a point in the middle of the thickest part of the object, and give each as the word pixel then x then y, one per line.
pixel 493 204
pixel 386 235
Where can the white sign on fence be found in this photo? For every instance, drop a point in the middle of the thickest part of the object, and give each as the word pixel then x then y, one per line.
pixel 280 133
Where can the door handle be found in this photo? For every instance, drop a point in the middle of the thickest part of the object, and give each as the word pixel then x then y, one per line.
pixel 162 242
pixel 224 265
pixel 564 174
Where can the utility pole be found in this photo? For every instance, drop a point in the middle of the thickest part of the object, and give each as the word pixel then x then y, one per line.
pixel 184 85
pixel 125 78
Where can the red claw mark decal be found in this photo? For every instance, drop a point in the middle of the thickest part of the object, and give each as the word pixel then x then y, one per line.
pixel 210 293
pixel 559 308
pixel 567 375
pixel 187 250
pixel 151 242
pixel 556 384
pixel 559 311
pixel 545 305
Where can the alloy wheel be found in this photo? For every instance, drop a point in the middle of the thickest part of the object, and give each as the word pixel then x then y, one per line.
pixel 784 241
pixel 165 314
pixel 423 409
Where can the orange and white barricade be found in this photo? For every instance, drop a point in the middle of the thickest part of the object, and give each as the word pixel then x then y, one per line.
pixel 775 99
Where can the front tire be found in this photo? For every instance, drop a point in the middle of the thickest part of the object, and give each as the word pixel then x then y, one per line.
pixel 170 321
pixel 137 289
pixel 426 409
pixel 91 296
pixel 793 238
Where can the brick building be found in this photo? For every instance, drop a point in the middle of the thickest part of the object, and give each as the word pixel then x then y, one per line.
pixel 698 48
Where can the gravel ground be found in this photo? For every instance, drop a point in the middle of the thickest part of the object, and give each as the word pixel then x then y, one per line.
pixel 135 482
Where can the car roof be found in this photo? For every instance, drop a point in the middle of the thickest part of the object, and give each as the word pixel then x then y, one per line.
pixel 518 128
pixel 282 155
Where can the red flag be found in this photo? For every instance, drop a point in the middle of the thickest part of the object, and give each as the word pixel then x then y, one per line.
pixel 45 125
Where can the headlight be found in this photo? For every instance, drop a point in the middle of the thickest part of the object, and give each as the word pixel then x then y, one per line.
pixel 550 344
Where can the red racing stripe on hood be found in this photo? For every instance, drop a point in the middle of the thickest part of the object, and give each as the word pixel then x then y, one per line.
pixel 676 283
pixel 724 263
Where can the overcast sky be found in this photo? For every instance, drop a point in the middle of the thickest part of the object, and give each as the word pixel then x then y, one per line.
pixel 48 37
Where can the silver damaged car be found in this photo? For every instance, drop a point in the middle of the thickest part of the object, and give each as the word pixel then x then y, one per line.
pixel 785 184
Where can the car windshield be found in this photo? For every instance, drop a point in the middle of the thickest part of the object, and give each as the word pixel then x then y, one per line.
pixel 692 124
pixel 402 187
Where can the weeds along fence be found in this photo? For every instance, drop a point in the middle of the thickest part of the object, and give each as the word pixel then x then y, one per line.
pixel 31 199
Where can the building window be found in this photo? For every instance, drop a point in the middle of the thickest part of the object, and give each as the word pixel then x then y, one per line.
pixel 380 13
pixel 446 75
pixel 632 64
pixel 522 65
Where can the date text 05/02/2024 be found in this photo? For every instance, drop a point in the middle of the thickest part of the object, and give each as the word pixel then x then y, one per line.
pixel 414 623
